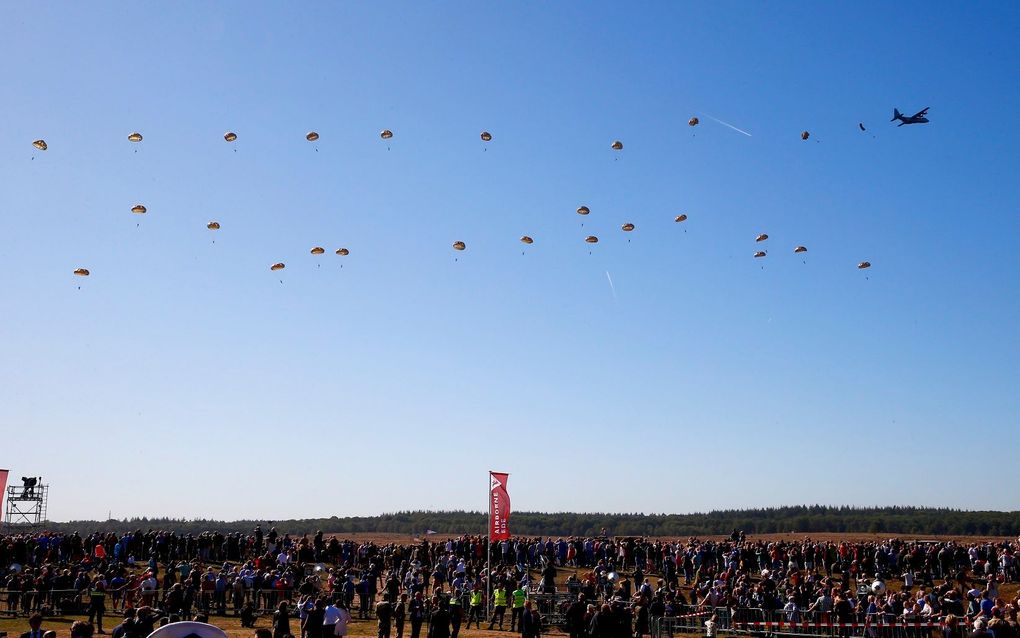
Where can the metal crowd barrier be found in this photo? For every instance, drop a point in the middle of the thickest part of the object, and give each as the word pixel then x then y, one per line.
pixel 759 622
pixel 689 620
pixel 816 623
pixel 61 602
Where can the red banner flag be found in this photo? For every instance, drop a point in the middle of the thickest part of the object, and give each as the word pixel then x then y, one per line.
pixel 3 490
pixel 499 507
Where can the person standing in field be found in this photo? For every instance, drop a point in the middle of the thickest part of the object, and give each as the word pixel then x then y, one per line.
pixel 531 622
pixel 399 611
pixel 384 613
pixel 476 612
pixel 281 621
pixel 439 621
pixel 417 611
pixel 97 603
pixel 519 596
pixel 498 607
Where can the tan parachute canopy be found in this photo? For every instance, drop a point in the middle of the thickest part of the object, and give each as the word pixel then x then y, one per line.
pixel 386 134
pixel 278 266
pixel 617 145
pixel 40 144
pixel 681 218
pixel 138 209
pixel 800 249
pixel 693 121
pixel 583 210
pixel 81 272
pixel 318 250
pixel 627 227
pixel 760 253
pixel 343 252
pixel 591 239
pixel 135 137
pixel 805 135
pixel 527 240
pixel 213 225
pixel 761 237
pixel 864 264
pixel 230 136
pixel 459 245
pixel 486 136
pixel 312 136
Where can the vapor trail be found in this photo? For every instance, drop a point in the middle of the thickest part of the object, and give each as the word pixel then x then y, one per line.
pixel 611 286
pixel 729 125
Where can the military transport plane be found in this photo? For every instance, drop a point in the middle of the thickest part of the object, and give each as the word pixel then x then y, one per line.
pixel 916 118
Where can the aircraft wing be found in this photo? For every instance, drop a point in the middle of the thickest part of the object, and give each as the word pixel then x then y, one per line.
pixel 922 112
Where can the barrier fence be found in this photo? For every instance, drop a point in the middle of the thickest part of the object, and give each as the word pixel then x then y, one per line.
pixel 691 620
pixel 59 602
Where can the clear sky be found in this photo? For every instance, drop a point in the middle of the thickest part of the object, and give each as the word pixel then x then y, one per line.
pixel 183 378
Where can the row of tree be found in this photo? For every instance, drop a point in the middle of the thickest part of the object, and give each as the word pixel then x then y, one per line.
pixel 803 519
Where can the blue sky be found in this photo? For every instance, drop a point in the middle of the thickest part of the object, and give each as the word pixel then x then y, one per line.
pixel 184 378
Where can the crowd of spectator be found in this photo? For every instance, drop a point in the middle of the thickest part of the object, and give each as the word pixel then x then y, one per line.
pixel 617 587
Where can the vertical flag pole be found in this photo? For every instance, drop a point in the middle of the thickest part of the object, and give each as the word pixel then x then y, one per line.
pixel 488 549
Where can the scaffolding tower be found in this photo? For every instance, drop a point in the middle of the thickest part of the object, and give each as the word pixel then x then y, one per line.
pixel 26 506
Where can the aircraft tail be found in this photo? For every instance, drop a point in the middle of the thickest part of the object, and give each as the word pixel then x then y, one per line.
pixel 896 115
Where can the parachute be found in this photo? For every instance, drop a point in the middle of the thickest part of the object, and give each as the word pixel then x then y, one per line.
pixel 681 218
pixel 693 121
pixel 230 136
pixel 583 210
pixel 312 136
pixel 761 237
pixel 318 250
pixel 617 145
pixel 343 252
pixel 800 249
pixel 138 209
pixel 213 225
pixel 40 144
pixel 486 136
pixel 527 240
pixel 81 272
pixel 864 264
pixel 591 239
pixel 459 245
pixel 135 137
pixel 386 134
pixel 627 227
pixel 805 135
pixel 278 266
pixel 760 253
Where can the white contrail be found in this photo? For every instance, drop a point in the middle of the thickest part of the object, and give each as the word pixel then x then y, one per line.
pixel 611 286
pixel 729 125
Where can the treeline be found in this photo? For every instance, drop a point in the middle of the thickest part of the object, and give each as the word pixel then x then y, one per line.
pixel 804 519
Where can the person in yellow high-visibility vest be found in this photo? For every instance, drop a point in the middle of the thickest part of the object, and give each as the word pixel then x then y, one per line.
pixel 519 596
pixel 97 603
pixel 475 612
pixel 499 607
